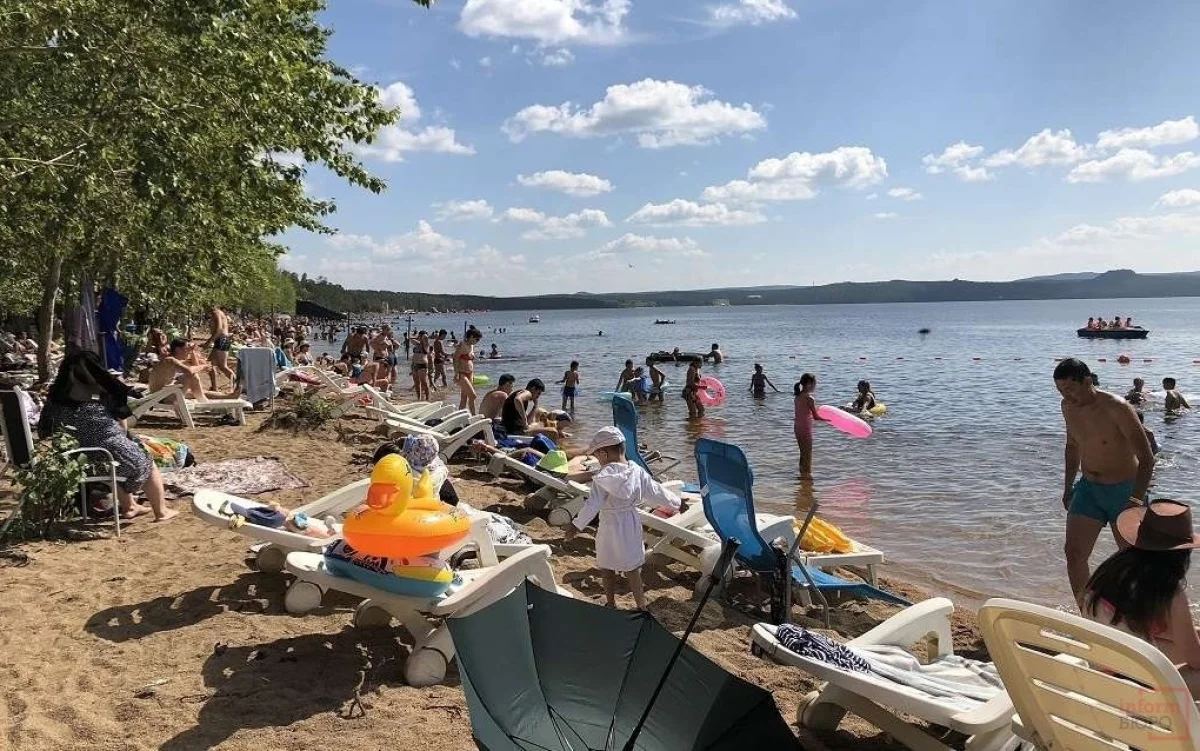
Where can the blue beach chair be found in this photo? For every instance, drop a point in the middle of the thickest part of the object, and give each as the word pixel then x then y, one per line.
pixel 625 417
pixel 726 483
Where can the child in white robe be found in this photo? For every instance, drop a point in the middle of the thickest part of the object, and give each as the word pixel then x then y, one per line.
pixel 618 489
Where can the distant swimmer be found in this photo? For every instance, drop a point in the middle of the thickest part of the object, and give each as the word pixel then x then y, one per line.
pixel 759 383
pixel 1107 444
pixel 715 354
pixel 924 331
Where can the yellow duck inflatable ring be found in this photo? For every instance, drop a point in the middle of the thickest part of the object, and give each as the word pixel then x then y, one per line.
pixel 402 519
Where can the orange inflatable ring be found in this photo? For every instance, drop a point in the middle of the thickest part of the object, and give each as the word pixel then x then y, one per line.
pixel 1123 359
pixel 402 519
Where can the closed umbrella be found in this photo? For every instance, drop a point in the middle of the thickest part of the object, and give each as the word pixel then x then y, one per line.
pixel 543 672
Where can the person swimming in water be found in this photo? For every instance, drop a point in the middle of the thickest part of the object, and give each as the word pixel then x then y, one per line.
pixel 715 354
pixel 865 401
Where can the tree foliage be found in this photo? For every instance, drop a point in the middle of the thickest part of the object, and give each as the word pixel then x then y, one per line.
pixel 158 147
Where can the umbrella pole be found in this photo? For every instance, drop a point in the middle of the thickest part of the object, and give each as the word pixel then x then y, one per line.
pixel 727 552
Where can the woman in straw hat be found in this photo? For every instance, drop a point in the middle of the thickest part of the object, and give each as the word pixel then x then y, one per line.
pixel 1142 589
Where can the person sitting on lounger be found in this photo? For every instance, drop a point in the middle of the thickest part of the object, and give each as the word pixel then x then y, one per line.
pixel 519 415
pixel 182 363
pixel 1142 589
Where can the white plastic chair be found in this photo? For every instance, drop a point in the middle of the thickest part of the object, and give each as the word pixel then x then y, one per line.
pixel 1078 684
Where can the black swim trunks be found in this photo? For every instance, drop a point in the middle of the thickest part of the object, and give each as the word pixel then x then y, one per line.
pixel 222 344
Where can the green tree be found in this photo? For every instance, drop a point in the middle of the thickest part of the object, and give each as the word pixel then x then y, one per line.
pixel 156 146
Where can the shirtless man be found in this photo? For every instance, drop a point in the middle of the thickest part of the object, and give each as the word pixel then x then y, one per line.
pixel 181 360
pixel 356 343
pixel 657 379
pixel 493 401
pixel 626 377
pixel 383 346
pixel 1173 401
pixel 1105 441
pixel 218 324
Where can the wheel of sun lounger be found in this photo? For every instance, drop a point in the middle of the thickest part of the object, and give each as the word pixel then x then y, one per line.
pixel 302 597
pixel 425 667
pixel 558 517
pixel 813 714
pixel 270 559
pixel 370 615
pixel 535 501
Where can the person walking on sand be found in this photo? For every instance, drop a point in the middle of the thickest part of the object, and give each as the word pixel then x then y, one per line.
pixel 805 416
pixel 218 324
pixel 1105 443
pixel 618 489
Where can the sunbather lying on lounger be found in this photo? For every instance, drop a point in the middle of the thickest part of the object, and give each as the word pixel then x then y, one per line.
pixel 580 466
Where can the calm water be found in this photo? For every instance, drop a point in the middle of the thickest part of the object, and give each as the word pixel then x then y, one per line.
pixel 961 483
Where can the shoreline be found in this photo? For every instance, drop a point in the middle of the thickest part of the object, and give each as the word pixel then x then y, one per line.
pixel 97 624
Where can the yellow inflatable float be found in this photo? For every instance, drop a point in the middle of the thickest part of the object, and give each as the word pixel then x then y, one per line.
pixel 403 519
pixel 823 537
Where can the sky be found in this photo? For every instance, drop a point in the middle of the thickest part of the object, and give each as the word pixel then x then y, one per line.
pixel 561 146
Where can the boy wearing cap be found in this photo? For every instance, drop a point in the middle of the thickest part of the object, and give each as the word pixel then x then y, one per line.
pixel 618 489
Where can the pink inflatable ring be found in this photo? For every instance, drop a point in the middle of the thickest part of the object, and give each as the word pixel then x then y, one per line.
pixel 711 393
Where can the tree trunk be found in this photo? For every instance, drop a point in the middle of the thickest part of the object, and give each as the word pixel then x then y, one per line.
pixel 45 317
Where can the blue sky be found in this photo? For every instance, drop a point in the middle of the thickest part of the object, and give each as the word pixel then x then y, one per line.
pixel 622 145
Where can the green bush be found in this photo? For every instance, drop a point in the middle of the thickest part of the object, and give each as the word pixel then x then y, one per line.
pixel 49 487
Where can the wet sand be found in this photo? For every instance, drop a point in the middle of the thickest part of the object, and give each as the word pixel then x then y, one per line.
pixel 168 638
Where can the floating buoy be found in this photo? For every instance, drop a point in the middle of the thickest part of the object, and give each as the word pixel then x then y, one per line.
pixel 937 358
pixel 899 358
pixel 1016 359
pixel 1102 359
pixel 923 331
pixel 1124 359
pixel 976 359
pixel 1147 360
pixel 862 358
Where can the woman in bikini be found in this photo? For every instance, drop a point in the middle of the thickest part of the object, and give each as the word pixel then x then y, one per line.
pixel 464 368
pixel 420 366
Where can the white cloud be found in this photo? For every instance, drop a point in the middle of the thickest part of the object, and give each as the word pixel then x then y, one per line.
pixel 659 113
pixel 884 215
pixel 799 176
pixel 1134 165
pixel 557 227
pixel 485 62
pixel 1179 199
pixel 572 183
pixel 631 244
pixel 547 22
pixel 454 63
pixel 556 58
pixel 393 141
pixel 424 243
pixel 1166 133
pixel 1046 147
pixel 872 196
pixel 750 13
pixel 905 194
pixel 956 158
pixel 691 214
pixel 457 211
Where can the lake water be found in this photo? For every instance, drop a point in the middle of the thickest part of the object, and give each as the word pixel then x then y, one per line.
pixel 961 483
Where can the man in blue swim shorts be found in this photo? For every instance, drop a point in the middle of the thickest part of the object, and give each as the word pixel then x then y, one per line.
pixel 1107 445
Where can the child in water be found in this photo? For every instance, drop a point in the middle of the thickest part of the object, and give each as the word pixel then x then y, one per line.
pixel 1173 401
pixel 570 382
pixel 865 401
pixel 759 382
pixel 618 489
pixel 805 416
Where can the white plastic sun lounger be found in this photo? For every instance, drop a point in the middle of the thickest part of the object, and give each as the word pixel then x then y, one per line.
pixel 874 698
pixel 561 496
pixel 1077 684
pixel 502 550
pixel 207 505
pixel 165 402
pixel 433 649
pixel 452 435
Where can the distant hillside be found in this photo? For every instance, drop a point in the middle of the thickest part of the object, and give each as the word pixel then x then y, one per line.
pixel 1080 276
pixel 1110 284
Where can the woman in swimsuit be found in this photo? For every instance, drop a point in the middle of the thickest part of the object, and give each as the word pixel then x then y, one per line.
pixel 439 358
pixel 464 368
pixel 420 366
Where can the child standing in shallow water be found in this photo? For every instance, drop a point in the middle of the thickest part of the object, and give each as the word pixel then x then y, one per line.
pixel 806 415
pixel 618 488
pixel 570 382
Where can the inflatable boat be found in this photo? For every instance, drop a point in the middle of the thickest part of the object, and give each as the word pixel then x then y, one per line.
pixel 681 358
pixel 1136 332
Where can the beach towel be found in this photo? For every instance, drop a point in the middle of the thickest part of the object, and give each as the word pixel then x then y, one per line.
pixel 967 683
pixel 256 373
pixel 504 531
pixel 167 454
pixel 240 477
pixel 816 646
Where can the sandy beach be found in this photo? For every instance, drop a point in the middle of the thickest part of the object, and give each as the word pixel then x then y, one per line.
pixel 167 638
